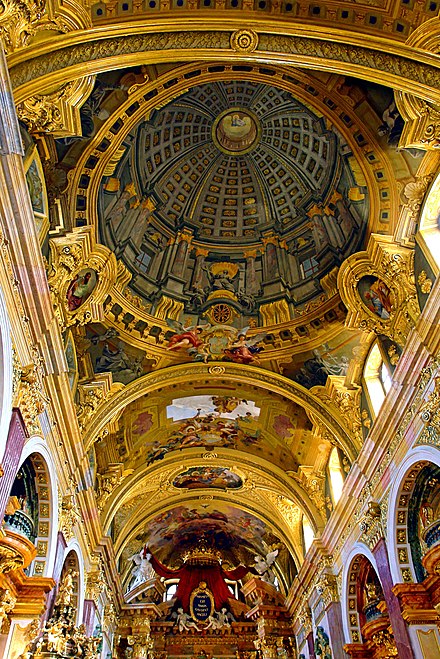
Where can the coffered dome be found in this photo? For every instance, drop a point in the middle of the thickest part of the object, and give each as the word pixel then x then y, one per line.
pixel 232 159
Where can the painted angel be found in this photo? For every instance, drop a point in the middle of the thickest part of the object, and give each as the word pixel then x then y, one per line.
pixel 187 338
pixel 244 350
pixel 263 566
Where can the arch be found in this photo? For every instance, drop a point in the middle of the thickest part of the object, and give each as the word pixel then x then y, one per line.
pixel 213 372
pixel 358 552
pixel 139 522
pixel 399 496
pixel 44 563
pixel 136 43
pixel 269 476
pixel 6 377
pixel 74 549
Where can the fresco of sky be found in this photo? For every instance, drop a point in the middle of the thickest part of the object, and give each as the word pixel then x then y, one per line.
pixel 226 407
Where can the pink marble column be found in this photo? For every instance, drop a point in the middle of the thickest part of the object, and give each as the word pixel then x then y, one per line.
pixel 400 630
pixel 17 436
pixel 335 629
pixel 89 615
pixel 311 646
pixel 57 569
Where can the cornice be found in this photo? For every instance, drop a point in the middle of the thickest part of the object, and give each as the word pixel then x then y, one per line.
pixel 85 52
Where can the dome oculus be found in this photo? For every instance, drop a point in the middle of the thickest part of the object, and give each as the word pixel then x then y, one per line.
pixel 236 131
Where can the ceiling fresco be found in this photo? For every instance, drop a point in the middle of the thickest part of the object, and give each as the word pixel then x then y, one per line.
pixel 224 210
pixel 267 427
pixel 206 477
pixel 233 161
pixel 238 535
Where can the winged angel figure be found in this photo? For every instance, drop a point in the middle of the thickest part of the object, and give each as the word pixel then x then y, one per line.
pixel 142 569
pixel 189 339
pixel 263 566
pixel 245 350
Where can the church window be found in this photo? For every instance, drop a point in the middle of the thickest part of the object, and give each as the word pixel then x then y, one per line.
pixel 377 378
pixel 307 533
pixel 309 267
pixel 335 474
pixel 143 261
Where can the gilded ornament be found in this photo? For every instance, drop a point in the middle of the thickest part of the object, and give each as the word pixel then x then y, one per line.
pixel 42 113
pixel 85 409
pixel 366 421
pixel 7 603
pixel 430 409
pixel 68 515
pixel 385 640
pixel 244 41
pixel 393 355
pixel 424 282
pixel 142 645
pixel 18 21
pixel 327 588
pixel 95 585
pixel 414 192
pixel 106 485
pixel 371 525
pixel 10 560
pixel 216 370
pixel 31 397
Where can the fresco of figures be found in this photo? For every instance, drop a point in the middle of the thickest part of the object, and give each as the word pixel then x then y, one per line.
pixel 234 532
pixel 201 477
pixel 159 426
pixel 80 288
pixel 208 431
pixel 376 296
pixel 203 343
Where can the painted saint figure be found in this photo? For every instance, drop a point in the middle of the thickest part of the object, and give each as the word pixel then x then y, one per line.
pixel 376 296
pixel 80 288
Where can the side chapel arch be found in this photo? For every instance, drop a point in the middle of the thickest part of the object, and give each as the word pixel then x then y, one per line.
pixel 46 539
pixel 6 377
pixel 73 560
pixel 401 492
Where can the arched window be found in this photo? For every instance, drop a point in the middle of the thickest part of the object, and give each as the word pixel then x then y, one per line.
pixel 170 589
pixel 377 378
pixel 335 475
pixel 308 533
pixel 429 233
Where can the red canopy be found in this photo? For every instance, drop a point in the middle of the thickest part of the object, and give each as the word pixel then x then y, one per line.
pixel 191 575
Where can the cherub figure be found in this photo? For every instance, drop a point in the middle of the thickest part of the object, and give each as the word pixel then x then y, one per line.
pixel 185 622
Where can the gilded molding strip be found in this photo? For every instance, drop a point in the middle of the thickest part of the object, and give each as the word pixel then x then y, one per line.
pixel 401 72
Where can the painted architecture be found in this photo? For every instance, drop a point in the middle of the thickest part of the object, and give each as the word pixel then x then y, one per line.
pixel 219 329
